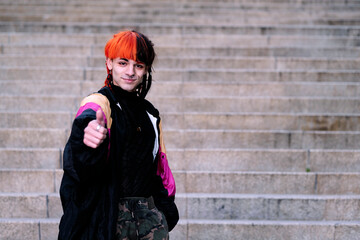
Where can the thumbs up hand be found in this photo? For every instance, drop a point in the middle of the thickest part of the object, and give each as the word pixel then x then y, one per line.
pixel 95 132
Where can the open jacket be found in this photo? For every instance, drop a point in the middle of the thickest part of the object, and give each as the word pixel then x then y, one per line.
pixel 90 186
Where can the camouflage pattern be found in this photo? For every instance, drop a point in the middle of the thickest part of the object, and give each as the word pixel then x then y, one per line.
pixel 139 219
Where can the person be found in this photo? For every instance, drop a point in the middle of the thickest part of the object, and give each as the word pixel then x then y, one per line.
pixel 117 183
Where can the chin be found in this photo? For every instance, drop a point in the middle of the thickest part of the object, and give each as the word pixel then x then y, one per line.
pixel 125 86
pixel 128 88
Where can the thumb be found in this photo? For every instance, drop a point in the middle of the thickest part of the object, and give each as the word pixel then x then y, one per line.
pixel 100 118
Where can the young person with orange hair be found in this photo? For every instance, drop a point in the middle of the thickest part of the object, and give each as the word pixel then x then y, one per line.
pixel 117 183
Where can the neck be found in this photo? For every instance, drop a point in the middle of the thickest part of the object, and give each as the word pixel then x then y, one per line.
pixel 119 92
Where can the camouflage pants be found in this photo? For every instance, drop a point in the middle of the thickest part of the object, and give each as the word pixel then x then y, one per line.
pixel 139 219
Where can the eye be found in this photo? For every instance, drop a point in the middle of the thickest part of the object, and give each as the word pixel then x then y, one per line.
pixel 122 63
pixel 140 66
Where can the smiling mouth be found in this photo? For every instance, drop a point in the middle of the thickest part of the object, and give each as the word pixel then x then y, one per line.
pixel 129 79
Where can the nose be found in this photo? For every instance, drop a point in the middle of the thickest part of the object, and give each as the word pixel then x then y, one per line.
pixel 130 70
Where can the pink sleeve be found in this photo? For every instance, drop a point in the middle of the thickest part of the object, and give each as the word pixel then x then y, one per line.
pixel 166 175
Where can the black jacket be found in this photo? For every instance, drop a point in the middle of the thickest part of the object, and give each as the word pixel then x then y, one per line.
pixel 92 180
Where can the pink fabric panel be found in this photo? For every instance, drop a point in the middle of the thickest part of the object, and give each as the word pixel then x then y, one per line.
pixel 92 106
pixel 166 175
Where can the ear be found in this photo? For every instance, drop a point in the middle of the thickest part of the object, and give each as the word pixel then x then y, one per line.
pixel 109 63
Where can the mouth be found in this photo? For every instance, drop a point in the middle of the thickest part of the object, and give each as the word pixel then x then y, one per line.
pixel 128 79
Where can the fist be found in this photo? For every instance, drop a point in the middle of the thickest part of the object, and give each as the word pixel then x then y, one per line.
pixel 95 132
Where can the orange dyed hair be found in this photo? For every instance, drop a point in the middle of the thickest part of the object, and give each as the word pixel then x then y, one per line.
pixel 122 45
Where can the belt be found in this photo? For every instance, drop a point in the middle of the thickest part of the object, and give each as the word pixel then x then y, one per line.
pixel 134 203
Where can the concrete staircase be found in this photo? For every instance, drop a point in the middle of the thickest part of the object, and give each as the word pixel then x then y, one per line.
pixel 260 101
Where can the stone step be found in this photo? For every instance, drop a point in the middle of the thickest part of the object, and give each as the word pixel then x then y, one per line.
pixel 33 229
pixel 268 207
pixel 210 206
pixel 33 138
pixel 47 229
pixel 226 121
pixel 203 40
pixel 204 139
pixel 31 158
pixel 76 11
pixel 184 75
pixel 263 3
pixel 280 63
pixel 175 15
pixel 197 89
pixel 225 182
pixel 263 160
pixel 261 104
pixel 40 103
pixel 267 183
pixel 248 121
pixel 30 180
pixel 221 88
pixel 273 105
pixel 154 7
pixel 303 63
pixel 55 88
pixel 106 13
pixel 30 205
pixel 14 119
pixel 255 18
pixel 251 51
pixel 203 229
pixel 244 88
pixel 306 105
pixel 150 28
pixel 192 51
pixel 252 139
pixel 338 22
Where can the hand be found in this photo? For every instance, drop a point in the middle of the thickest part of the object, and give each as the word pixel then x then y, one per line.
pixel 95 132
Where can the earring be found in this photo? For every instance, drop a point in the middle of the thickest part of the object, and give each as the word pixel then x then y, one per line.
pixel 109 77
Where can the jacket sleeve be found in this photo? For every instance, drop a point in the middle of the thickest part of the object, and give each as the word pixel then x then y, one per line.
pixel 81 162
pixel 85 171
pixel 164 195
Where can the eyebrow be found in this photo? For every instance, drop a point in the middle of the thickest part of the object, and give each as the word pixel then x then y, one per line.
pixel 127 60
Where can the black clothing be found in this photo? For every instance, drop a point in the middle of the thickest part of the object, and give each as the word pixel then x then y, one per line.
pixel 124 165
pixel 137 168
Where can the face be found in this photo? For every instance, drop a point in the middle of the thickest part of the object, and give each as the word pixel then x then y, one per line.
pixel 126 73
